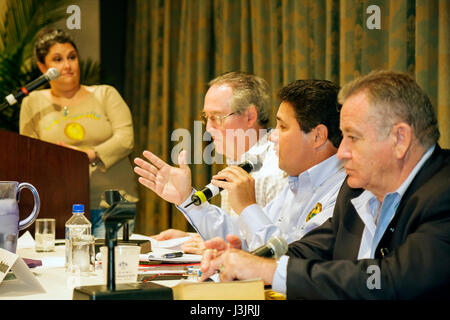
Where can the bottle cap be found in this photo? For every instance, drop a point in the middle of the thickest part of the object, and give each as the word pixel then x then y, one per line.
pixel 78 208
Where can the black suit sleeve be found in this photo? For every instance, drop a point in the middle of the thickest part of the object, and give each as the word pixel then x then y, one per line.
pixel 318 244
pixel 418 267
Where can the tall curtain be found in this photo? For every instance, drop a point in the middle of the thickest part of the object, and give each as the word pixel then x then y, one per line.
pixel 174 47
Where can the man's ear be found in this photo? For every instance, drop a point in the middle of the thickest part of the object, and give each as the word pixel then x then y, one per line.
pixel 402 135
pixel 252 116
pixel 319 135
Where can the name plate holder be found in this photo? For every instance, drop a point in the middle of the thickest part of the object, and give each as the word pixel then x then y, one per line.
pixel 11 261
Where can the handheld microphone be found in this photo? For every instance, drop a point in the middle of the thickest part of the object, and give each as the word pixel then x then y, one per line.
pixel 274 248
pixel 250 165
pixel 13 98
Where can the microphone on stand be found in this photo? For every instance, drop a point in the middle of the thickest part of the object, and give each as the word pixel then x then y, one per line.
pixel 274 248
pixel 13 98
pixel 253 164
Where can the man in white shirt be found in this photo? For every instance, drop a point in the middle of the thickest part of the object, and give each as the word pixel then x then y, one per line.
pixel 306 137
pixel 236 114
pixel 389 237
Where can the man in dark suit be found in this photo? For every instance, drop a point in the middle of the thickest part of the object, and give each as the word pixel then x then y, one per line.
pixel 389 237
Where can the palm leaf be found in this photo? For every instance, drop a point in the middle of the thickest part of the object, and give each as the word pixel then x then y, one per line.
pixel 22 20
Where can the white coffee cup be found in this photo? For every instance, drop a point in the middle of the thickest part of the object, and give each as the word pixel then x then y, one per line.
pixel 126 263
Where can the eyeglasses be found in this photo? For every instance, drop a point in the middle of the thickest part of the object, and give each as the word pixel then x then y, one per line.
pixel 216 120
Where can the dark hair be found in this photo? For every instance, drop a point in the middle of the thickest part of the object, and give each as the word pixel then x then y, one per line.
pixel 46 38
pixel 314 102
pixel 248 89
pixel 393 97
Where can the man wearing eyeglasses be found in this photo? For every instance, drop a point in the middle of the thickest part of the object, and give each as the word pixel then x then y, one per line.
pixel 306 138
pixel 236 113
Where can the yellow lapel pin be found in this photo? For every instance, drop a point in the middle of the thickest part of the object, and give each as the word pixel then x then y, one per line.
pixel 317 209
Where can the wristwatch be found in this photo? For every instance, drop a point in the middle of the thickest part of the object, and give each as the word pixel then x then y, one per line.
pixel 96 160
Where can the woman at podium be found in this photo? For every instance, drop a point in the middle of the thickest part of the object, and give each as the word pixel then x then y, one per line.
pixel 93 119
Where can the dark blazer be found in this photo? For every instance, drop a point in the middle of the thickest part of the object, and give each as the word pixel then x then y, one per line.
pixel 413 256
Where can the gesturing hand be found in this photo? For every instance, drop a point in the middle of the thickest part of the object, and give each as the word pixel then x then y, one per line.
pixel 170 183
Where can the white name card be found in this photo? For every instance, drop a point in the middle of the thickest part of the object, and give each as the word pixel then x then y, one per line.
pixel 11 261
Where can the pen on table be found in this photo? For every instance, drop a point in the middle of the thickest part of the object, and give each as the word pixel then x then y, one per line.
pixel 172 255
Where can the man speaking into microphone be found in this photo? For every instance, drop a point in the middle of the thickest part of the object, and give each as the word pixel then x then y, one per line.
pixel 306 139
pixel 236 103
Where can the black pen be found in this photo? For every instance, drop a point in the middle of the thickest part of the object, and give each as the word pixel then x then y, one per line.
pixel 172 255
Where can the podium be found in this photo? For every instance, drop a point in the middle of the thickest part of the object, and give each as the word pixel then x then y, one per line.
pixel 60 175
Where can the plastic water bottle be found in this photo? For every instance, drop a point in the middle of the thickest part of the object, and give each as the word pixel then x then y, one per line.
pixel 78 225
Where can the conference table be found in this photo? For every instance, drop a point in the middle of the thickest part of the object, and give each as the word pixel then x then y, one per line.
pixel 57 284
pixel 52 275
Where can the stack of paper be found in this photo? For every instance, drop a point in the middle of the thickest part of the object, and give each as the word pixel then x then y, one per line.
pixel 158 255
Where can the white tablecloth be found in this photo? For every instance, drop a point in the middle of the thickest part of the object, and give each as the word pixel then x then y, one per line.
pixel 57 282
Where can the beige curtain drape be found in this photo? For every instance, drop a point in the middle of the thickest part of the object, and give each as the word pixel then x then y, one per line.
pixel 174 47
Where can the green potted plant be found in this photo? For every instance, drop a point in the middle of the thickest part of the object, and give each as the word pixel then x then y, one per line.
pixel 21 21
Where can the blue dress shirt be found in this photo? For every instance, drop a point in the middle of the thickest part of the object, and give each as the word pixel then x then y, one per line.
pixel 286 215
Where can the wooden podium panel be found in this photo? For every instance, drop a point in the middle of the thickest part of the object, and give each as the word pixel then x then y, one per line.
pixel 60 175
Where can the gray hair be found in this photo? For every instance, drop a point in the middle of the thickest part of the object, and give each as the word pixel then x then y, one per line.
pixel 248 89
pixel 394 97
